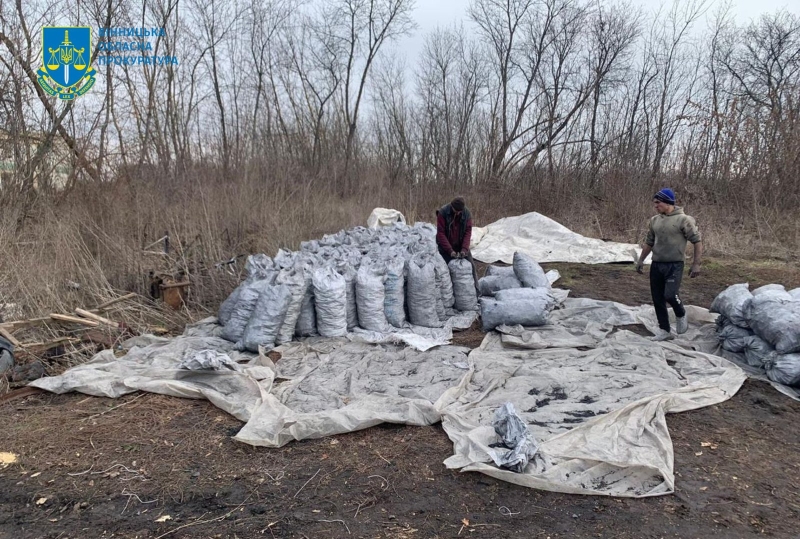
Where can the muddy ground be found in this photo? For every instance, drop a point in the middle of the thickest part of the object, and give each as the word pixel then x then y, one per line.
pixel 152 466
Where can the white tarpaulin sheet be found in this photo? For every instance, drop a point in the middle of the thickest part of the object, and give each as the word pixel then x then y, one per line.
pixel 544 240
pixel 593 396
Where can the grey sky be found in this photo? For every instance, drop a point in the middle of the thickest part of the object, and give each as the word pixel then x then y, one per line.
pixel 432 13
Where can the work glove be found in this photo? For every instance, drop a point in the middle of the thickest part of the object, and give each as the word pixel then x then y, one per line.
pixel 694 271
pixel 640 266
pixel 453 254
pixel 463 254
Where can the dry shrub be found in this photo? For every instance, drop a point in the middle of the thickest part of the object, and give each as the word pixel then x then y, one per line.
pixel 95 236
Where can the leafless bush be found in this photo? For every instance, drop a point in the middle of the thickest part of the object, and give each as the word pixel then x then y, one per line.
pixel 292 119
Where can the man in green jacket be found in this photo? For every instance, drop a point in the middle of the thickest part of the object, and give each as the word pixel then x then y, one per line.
pixel 667 234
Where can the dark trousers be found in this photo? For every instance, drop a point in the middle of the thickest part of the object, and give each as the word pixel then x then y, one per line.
pixel 448 258
pixel 665 282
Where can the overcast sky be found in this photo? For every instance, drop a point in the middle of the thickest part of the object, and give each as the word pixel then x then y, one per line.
pixel 432 13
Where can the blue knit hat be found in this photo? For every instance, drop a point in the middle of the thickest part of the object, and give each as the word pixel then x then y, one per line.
pixel 666 196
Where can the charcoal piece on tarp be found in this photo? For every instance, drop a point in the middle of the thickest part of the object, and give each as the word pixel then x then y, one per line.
pixel 514 436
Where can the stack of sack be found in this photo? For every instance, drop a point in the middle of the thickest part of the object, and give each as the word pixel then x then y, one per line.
pixel 764 326
pixel 376 279
pixel 518 294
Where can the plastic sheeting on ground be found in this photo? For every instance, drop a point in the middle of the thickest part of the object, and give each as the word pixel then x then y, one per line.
pixel 544 240
pixel 599 416
pixel 593 396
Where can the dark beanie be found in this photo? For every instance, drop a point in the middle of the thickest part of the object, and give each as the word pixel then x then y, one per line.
pixel 666 195
pixel 458 204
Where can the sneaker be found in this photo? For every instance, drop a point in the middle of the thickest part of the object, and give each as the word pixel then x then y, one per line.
pixel 681 325
pixel 662 335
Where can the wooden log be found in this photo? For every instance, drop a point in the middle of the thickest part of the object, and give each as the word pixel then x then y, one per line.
pixel 96 318
pixel 14 325
pixel 74 320
pixel 114 301
pixel 7 334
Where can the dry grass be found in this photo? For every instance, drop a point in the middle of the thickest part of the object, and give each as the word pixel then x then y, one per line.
pixel 95 236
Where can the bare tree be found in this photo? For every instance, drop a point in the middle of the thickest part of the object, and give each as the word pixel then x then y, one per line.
pixel 451 83
pixel 678 69
pixel 764 61
pixel 364 26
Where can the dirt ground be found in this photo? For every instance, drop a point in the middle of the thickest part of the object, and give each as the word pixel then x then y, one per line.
pixel 153 466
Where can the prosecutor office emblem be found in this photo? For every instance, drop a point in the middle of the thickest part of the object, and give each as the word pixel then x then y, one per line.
pixel 66 54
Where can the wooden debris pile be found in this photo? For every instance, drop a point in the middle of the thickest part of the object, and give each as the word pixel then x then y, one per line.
pixel 53 343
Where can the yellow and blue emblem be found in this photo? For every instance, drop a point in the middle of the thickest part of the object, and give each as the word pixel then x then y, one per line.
pixel 66 55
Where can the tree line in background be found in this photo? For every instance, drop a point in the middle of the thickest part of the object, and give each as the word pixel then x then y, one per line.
pixel 556 97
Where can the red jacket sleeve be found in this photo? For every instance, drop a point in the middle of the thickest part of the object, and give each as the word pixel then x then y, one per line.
pixel 441 234
pixel 467 236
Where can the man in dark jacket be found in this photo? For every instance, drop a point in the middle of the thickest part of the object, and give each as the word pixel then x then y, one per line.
pixel 453 229
pixel 454 232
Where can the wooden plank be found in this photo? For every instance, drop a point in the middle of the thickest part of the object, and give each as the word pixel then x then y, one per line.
pixel 74 320
pixel 96 318
pixel 108 304
pixel 7 334
pixel 14 325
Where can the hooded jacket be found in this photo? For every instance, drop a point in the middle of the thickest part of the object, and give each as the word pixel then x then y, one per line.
pixel 668 234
